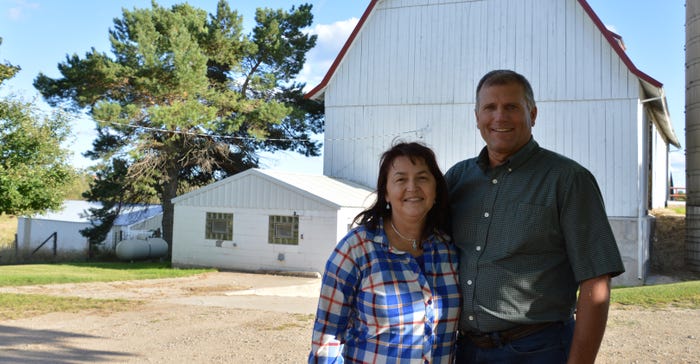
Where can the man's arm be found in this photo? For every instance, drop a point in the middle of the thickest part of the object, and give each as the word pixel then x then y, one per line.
pixel 591 318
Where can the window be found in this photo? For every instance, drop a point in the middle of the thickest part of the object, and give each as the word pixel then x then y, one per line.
pixel 284 230
pixel 219 226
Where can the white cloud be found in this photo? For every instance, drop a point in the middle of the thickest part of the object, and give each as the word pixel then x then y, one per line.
pixel 18 11
pixel 331 38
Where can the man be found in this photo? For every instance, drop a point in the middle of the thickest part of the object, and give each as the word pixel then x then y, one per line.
pixel 531 230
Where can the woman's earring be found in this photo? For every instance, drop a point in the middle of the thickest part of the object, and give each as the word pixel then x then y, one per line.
pixel 388 207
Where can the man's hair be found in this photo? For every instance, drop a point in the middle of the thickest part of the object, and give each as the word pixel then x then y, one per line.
pixel 506 77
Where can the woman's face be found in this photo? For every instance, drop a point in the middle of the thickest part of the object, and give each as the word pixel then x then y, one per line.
pixel 410 190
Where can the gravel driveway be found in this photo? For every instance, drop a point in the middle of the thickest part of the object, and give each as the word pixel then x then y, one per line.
pixel 228 317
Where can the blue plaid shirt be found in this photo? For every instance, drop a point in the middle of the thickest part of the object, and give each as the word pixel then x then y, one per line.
pixel 378 306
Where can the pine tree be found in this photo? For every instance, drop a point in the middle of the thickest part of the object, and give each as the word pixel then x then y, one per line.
pixel 187 98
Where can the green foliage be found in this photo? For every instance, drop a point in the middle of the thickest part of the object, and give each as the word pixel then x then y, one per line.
pixel 34 168
pixel 187 98
pixel 80 185
pixel 7 70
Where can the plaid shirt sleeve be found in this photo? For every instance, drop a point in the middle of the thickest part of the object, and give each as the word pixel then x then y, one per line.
pixel 335 302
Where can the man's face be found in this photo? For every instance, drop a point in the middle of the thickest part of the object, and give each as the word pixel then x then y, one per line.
pixel 504 120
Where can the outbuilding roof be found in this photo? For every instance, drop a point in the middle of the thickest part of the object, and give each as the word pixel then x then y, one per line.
pixel 329 191
pixel 77 211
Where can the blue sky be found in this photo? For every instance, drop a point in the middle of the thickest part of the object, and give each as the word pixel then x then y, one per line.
pixel 38 34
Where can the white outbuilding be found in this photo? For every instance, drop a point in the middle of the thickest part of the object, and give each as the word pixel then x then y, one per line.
pixel 265 220
pixel 63 226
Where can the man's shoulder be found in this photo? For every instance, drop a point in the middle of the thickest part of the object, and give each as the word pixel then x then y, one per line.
pixel 462 165
pixel 559 161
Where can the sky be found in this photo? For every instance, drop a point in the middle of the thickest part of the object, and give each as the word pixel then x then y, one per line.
pixel 39 34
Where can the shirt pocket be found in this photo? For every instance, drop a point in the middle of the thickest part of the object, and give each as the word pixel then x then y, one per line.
pixel 534 230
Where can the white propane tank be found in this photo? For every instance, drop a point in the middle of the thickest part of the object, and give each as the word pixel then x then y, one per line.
pixel 141 249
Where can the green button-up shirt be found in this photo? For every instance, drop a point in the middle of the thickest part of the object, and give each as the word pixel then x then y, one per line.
pixel 528 231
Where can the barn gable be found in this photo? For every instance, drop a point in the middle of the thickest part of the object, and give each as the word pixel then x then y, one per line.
pixel 410 68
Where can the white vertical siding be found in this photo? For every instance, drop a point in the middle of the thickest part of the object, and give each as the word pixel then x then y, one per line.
pixel 250 249
pixel 32 232
pixel 415 64
pixel 660 173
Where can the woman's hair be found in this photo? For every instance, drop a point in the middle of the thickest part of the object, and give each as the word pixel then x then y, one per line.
pixel 437 217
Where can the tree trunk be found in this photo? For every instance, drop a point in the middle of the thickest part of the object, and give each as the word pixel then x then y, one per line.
pixel 169 192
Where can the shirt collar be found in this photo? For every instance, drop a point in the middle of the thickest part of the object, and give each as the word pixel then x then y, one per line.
pixel 515 161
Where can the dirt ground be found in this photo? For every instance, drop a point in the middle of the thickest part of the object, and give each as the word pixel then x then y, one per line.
pixel 229 317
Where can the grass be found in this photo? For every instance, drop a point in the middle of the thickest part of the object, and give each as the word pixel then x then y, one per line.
pixel 680 209
pixel 32 274
pixel 15 306
pixel 682 295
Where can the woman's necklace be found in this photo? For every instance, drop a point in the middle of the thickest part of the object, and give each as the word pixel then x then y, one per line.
pixel 414 244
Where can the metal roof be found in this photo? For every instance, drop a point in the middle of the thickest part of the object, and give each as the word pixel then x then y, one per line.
pixel 340 192
pixel 328 191
pixel 77 211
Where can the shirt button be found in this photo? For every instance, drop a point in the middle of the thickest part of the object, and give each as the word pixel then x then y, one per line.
pixel 486 214
pixel 469 282
pixel 478 248
pixel 494 181
pixel 510 169
pixel 471 318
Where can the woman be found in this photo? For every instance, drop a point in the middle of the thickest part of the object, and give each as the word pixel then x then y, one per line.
pixel 390 291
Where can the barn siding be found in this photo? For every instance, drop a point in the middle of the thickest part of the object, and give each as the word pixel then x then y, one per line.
pixel 412 70
pixel 660 174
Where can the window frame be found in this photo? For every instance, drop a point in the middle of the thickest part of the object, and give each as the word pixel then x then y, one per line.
pixel 213 218
pixel 276 223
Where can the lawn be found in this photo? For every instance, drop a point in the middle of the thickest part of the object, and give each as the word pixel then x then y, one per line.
pixel 15 306
pixel 31 274
pixel 681 294
pixel 12 306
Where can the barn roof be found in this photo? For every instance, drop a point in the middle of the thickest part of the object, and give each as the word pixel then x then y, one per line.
pixel 655 97
pixel 326 190
pixel 77 211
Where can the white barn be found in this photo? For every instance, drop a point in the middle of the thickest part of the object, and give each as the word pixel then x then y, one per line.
pixel 410 67
pixel 137 221
pixel 264 220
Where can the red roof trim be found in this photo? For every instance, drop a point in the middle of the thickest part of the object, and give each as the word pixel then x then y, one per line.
pixel 342 52
pixel 609 36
